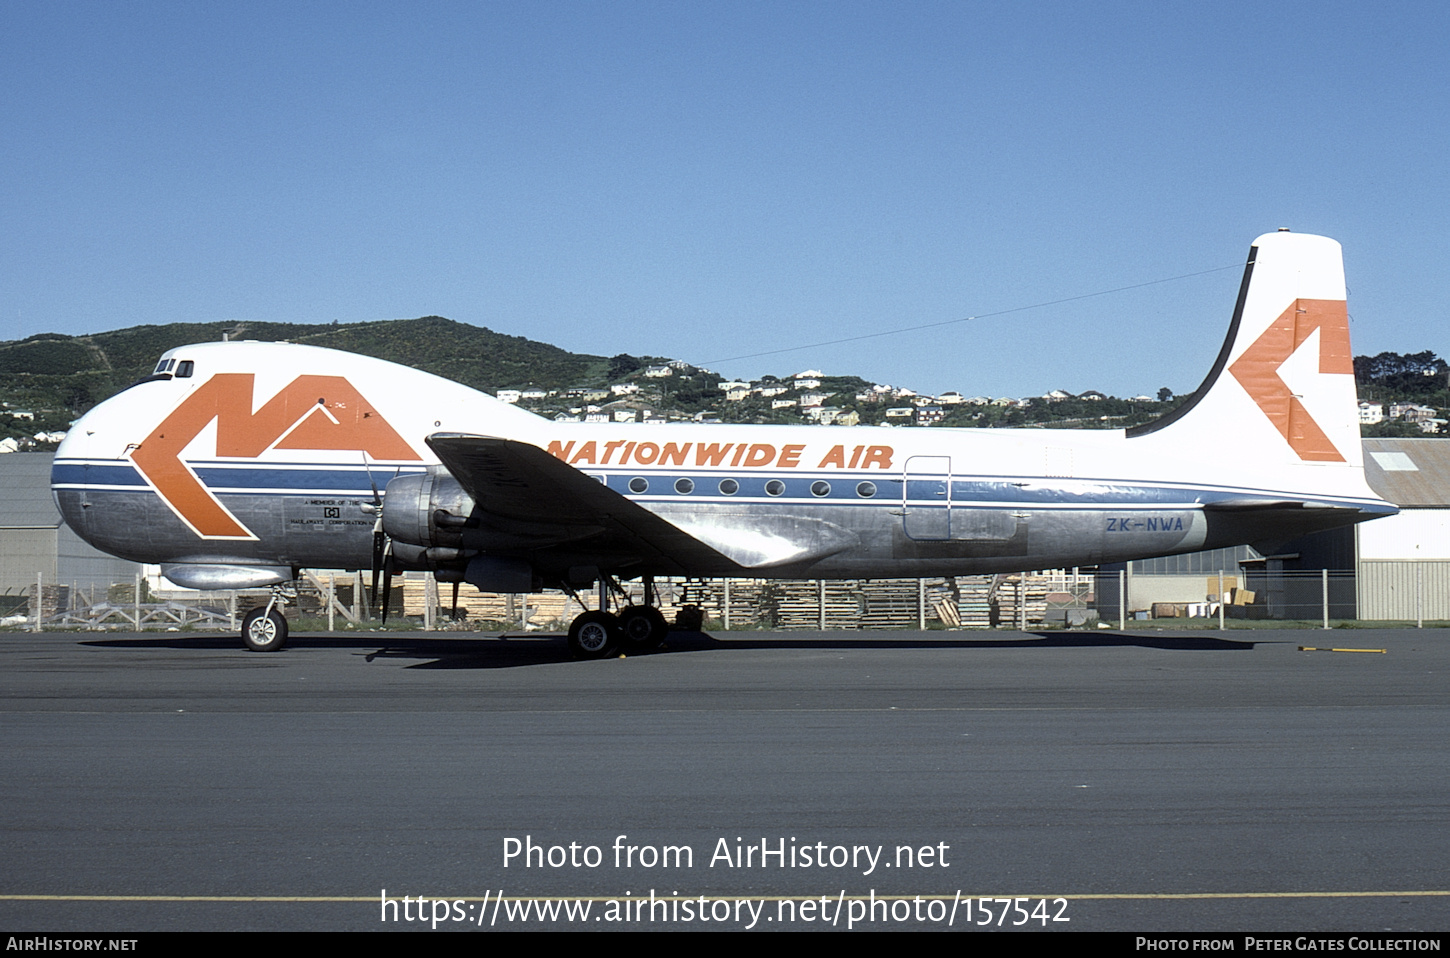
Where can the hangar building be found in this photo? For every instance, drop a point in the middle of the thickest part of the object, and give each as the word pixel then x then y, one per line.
pixel 1392 568
pixel 34 540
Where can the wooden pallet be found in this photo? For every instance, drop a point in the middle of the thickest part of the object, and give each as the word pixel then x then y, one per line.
pixel 969 602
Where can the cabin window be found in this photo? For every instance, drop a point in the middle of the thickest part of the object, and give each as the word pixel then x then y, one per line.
pixel 728 487
pixel 820 488
pixel 774 488
pixel 639 484
pixel 866 489
pixel 684 486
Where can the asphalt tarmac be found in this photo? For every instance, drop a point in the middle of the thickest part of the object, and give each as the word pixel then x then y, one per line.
pixel 1141 781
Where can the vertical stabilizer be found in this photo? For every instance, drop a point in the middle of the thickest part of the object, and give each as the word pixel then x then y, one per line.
pixel 1282 391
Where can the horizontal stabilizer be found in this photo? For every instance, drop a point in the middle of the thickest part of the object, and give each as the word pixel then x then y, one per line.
pixel 1271 505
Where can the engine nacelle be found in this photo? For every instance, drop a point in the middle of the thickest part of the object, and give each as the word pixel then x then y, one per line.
pixel 414 505
pixel 426 517
pixel 445 563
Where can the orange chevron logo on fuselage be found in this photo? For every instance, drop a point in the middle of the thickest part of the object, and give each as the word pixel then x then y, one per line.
pixel 312 412
pixel 1257 370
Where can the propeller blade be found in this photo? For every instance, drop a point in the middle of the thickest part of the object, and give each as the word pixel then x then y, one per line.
pixel 387 588
pixel 377 498
pixel 455 601
pixel 380 539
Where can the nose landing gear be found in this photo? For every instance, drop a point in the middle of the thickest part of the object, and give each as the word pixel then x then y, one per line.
pixel 264 629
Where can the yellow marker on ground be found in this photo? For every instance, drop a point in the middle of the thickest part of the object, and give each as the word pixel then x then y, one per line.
pixel 1310 648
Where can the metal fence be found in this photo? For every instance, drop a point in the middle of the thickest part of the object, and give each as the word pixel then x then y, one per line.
pixel 1227 598
pixel 1383 591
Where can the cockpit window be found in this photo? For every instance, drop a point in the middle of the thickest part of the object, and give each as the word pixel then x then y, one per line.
pixel 162 372
pixel 184 369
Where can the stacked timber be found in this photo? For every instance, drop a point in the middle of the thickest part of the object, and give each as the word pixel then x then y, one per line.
pixel 539 610
pixel 891 604
pixel 803 605
pixel 709 595
pixel 968 602
pixel 974 602
pixel 54 599
pixel 1026 591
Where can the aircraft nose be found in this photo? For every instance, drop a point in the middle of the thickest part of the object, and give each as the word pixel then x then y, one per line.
pixel 68 481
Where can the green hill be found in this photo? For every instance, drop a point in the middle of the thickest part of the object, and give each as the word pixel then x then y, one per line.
pixel 59 377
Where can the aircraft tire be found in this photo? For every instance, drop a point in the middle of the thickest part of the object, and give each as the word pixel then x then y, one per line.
pixel 593 635
pixel 643 627
pixel 263 631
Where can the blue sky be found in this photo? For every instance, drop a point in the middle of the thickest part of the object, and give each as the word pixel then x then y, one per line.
pixel 711 180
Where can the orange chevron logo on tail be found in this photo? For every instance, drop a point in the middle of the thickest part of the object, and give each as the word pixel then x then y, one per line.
pixel 312 412
pixel 1257 370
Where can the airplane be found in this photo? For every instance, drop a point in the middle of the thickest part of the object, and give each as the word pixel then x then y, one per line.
pixel 236 465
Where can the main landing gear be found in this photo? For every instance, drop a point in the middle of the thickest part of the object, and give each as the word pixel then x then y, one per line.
pixel 634 628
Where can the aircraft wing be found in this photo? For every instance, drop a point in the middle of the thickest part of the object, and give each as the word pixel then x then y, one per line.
pixel 524 495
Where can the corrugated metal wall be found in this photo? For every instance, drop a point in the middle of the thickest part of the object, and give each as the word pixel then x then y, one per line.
pixel 23 553
pixel 1404 589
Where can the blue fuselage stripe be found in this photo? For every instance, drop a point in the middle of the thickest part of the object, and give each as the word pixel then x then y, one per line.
pixel 840 488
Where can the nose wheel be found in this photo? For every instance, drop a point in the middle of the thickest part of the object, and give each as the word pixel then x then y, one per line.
pixel 264 629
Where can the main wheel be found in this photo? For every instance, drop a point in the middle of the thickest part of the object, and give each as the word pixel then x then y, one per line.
pixel 264 631
pixel 643 627
pixel 593 635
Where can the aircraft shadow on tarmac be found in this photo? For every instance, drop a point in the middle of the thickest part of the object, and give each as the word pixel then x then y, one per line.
pixel 515 651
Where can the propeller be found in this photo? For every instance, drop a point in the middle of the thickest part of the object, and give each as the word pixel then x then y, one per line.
pixel 382 547
pixel 387 585
pixel 385 561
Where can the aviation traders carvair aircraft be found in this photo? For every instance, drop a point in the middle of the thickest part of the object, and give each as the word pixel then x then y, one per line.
pixel 238 464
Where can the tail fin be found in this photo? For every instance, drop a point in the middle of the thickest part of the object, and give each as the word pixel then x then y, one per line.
pixel 1282 390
